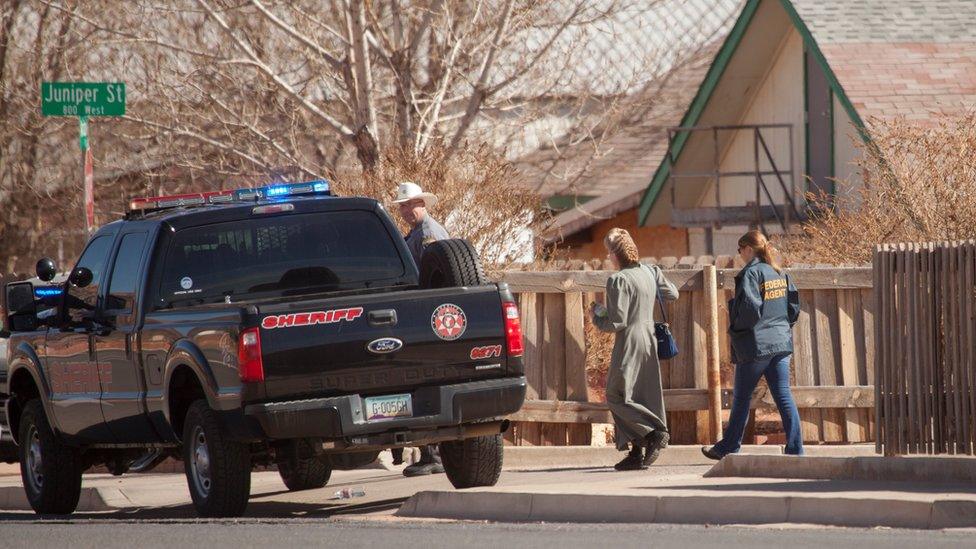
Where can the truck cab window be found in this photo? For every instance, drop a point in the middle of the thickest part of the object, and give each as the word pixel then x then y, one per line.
pixel 81 302
pixel 280 256
pixel 125 274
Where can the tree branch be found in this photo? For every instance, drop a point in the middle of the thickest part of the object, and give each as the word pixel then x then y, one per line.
pixel 339 127
pixel 539 54
pixel 332 60
pixel 479 92
pixel 199 137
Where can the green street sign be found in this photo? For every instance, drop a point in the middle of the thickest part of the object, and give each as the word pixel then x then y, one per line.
pixel 82 98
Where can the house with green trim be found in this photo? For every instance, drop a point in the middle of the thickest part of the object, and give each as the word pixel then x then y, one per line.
pixel 781 111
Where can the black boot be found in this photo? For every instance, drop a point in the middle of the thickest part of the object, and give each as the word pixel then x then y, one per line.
pixel 634 460
pixel 429 464
pixel 711 453
pixel 655 441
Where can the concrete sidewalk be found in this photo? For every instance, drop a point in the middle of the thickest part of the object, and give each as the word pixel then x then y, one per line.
pixel 600 495
pixel 166 496
pixel 675 490
pixel 529 458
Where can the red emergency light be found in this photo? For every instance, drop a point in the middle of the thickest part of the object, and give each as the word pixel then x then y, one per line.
pixel 176 200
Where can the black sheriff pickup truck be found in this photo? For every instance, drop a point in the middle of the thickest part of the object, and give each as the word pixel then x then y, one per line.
pixel 271 326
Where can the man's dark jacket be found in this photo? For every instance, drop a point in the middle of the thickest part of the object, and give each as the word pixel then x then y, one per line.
pixel 762 314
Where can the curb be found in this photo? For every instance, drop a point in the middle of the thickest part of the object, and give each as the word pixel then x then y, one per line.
pixel 850 512
pixel 13 498
pixel 902 469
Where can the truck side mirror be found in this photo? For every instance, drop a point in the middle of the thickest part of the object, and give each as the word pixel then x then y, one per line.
pixel 46 269
pixel 21 307
pixel 81 277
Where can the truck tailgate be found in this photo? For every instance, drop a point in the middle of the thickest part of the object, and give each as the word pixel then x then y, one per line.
pixel 382 343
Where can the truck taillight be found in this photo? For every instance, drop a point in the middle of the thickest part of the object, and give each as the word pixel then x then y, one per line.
pixel 513 329
pixel 249 356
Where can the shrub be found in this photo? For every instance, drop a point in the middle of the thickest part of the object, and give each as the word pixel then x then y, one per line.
pixel 919 185
pixel 478 198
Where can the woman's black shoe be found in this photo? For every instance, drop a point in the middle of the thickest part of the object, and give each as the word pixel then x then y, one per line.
pixel 710 453
pixel 656 441
pixel 633 462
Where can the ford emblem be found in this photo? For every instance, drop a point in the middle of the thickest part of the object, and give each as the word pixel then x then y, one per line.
pixel 384 345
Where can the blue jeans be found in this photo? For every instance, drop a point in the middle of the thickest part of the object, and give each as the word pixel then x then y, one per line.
pixel 777 372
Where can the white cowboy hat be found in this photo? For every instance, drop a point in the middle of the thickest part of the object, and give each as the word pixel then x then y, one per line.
pixel 408 190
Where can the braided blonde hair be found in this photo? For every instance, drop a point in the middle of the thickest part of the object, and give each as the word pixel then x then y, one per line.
pixel 619 242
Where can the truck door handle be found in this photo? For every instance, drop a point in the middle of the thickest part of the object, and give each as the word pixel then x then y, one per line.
pixel 385 317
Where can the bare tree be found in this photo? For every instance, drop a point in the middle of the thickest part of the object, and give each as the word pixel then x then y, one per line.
pixel 404 73
pixel 225 93
pixel 37 43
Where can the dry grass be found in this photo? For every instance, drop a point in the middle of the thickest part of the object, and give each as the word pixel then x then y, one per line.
pixel 599 346
pixel 478 199
pixel 920 185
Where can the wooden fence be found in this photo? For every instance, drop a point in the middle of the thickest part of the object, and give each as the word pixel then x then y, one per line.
pixel 926 348
pixel 833 366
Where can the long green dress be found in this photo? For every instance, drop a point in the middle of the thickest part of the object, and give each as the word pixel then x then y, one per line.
pixel 634 391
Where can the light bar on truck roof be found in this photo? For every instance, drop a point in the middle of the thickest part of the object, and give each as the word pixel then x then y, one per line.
pixel 282 190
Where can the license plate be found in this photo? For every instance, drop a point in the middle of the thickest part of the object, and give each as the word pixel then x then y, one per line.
pixel 382 408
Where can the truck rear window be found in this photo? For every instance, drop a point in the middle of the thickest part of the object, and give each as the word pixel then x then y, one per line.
pixel 279 256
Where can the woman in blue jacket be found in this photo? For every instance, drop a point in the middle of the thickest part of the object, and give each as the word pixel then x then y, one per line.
pixel 761 318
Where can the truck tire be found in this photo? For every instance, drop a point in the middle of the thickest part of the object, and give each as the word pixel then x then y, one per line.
pixel 473 462
pixel 49 469
pixel 304 473
pixel 218 469
pixel 451 263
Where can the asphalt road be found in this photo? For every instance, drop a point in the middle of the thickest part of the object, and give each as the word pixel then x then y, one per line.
pixel 389 533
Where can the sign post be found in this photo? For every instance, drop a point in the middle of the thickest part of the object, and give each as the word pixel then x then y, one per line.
pixel 84 99
pixel 89 173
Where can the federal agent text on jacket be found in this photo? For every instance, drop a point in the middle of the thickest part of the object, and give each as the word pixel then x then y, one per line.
pixel 763 312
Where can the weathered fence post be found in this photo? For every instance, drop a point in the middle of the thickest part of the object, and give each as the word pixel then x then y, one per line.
pixel 710 282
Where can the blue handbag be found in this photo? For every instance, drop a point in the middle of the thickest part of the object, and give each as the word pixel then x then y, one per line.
pixel 666 346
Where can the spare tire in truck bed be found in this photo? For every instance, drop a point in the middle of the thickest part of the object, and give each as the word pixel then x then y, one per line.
pixel 450 263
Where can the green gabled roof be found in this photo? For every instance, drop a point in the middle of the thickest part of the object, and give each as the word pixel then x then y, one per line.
pixel 711 81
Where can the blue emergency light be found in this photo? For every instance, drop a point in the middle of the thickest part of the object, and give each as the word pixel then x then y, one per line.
pixel 283 190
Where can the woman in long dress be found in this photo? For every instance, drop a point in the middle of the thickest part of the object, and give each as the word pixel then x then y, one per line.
pixel 634 391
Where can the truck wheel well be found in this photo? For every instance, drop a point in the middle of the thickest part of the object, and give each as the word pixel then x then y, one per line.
pixel 184 390
pixel 24 390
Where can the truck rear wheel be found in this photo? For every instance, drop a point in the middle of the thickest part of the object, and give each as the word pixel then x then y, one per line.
pixel 304 473
pixel 218 470
pixel 49 469
pixel 451 263
pixel 473 462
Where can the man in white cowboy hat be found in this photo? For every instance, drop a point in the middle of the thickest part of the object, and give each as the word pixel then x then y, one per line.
pixel 412 203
